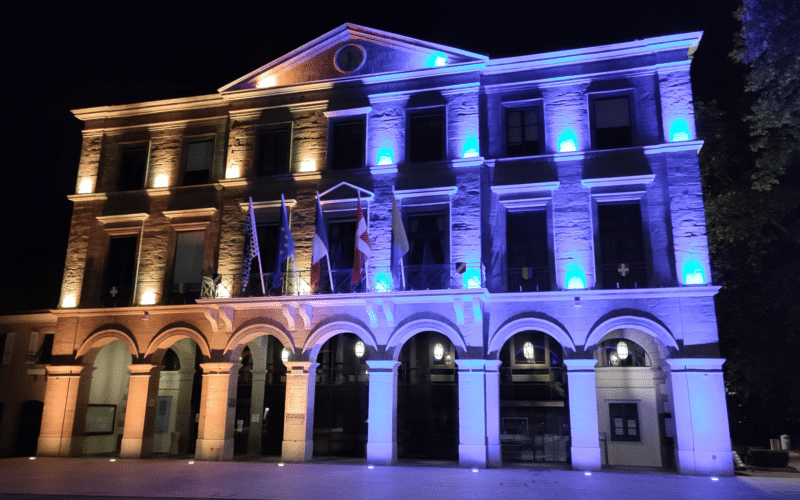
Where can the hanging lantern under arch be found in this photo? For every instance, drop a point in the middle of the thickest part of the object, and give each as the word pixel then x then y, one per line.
pixel 438 351
pixel 527 350
pixel 359 349
pixel 622 350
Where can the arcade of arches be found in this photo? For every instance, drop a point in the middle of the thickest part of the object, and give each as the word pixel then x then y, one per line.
pixel 422 401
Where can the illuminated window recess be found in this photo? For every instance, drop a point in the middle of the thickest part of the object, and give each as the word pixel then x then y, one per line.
pixel 85 187
pixel 308 165
pixel 162 181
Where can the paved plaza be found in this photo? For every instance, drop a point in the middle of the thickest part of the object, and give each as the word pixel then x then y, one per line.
pixel 97 479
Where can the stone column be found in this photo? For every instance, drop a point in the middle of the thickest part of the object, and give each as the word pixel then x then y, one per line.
pixel 63 427
pixel 257 411
pixel 473 421
pixel 217 411
pixel 584 433
pixel 298 419
pixel 493 414
pixel 137 436
pixel 701 417
pixel 382 420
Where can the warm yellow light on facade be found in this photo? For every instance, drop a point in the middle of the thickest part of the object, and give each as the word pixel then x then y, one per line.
pixel 232 171
pixel 86 186
pixel 162 181
pixel 69 300
pixel 269 81
pixel 148 297
pixel 303 289
pixel 308 165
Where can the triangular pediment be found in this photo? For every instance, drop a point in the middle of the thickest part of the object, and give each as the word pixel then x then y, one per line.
pixel 351 51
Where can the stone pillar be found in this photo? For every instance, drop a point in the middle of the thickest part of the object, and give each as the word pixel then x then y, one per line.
pixel 137 437
pixel 493 414
pixel 473 424
pixel 382 420
pixel 701 417
pixel 256 410
pixel 298 418
pixel 62 428
pixel 584 433
pixel 217 411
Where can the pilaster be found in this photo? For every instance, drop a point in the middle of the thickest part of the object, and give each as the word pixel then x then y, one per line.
pixel 217 411
pixel 62 427
pixel 382 431
pixel 137 437
pixel 475 420
pixel 298 419
pixel 584 432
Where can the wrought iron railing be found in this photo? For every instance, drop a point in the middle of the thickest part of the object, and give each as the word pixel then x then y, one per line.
pixel 528 279
pixel 626 275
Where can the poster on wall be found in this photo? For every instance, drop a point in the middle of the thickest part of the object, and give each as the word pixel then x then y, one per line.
pixel 100 419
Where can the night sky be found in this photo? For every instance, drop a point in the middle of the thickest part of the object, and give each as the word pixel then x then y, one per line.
pixel 85 54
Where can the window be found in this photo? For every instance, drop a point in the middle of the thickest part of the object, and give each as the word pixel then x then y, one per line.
pixel 132 168
pixel 342 245
pixel 524 132
pixel 44 354
pixel 188 271
pixel 622 250
pixel 199 160
pixel 347 143
pixel 7 347
pixel 611 123
pixel 120 275
pixel 426 136
pixel 274 145
pixel 624 420
pixel 527 251
pixel 427 266
pixel 268 235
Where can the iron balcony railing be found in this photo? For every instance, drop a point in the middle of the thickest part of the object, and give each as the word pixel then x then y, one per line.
pixel 528 279
pixel 423 277
pixel 624 275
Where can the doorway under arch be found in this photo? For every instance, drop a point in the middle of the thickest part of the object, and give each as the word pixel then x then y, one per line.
pixel 107 401
pixel 427 399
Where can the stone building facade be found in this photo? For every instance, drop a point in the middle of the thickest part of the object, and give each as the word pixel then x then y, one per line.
pixel 553 303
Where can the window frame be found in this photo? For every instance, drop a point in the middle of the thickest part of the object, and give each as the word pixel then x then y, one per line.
pixel 607 96
pixel 124 148
pixel 623 408
pixel 414 113
pixel 600 248
pixel 348 119
pixel 258 157
pixel 187 141
pixel 538 108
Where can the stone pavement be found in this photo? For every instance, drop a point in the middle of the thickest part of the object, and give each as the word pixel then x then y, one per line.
pixel 97 479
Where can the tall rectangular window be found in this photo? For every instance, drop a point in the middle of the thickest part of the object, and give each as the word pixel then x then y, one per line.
pixel 187 276
pixel 426 135
pixel 132 168
pixel 427 266
pixel 527 251
pixel 624 420
pixel 622 250
pixel 342 245
pixel 272 155
pixel 199 160
pixel 524 132
pixel 347 144
pixel 120 275
pixel 611 123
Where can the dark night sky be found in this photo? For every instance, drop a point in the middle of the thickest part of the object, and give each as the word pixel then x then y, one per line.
pixel 85 54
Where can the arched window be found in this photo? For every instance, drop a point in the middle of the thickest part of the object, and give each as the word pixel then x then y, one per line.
pixel 620 352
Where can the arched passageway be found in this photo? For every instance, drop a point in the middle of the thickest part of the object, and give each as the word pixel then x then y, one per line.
pixel 108 399
pixel 341 397
pixel 178 400
pixel 534 417
pixel 427 399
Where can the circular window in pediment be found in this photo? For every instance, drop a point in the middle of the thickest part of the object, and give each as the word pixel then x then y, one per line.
pixel 349 58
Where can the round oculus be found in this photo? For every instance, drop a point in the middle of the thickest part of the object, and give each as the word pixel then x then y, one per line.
pixel 349 58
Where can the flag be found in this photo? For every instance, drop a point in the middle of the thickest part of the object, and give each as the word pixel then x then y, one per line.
pixel 400 245
pixel 285 245
pixel 363 250
pixel 251 249
pixel 319 249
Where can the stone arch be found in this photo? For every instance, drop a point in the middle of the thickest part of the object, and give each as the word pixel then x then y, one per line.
pixel 322 334
pixel 168 336
pixel 511 328
pixel 101 338
pixel 405 332
pixel 663 338
pixel 247 334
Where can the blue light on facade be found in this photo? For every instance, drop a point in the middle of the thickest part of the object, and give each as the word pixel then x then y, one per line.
pixel 575 278
pixel 693 273
pixel 679 131
pixel 472 279
pixel 383 282
pixel 470 149
pixel 385 156
pixel 567 142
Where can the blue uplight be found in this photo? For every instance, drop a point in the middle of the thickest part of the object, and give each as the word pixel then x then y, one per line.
pixel 470 149
pixel 693 273
pixel 383 282
pixel 567 142
pixel 472 279
pixel 385 156
pixel 576 280
pixel 679 131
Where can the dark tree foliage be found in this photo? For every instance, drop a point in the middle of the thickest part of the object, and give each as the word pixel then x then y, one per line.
pixel 750 164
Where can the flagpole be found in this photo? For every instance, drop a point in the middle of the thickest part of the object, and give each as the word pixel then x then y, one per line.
pixel 330 274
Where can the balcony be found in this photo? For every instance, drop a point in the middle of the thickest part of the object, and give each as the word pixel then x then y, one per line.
pixel 627 275
pixel 422 277
pixel 528 279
